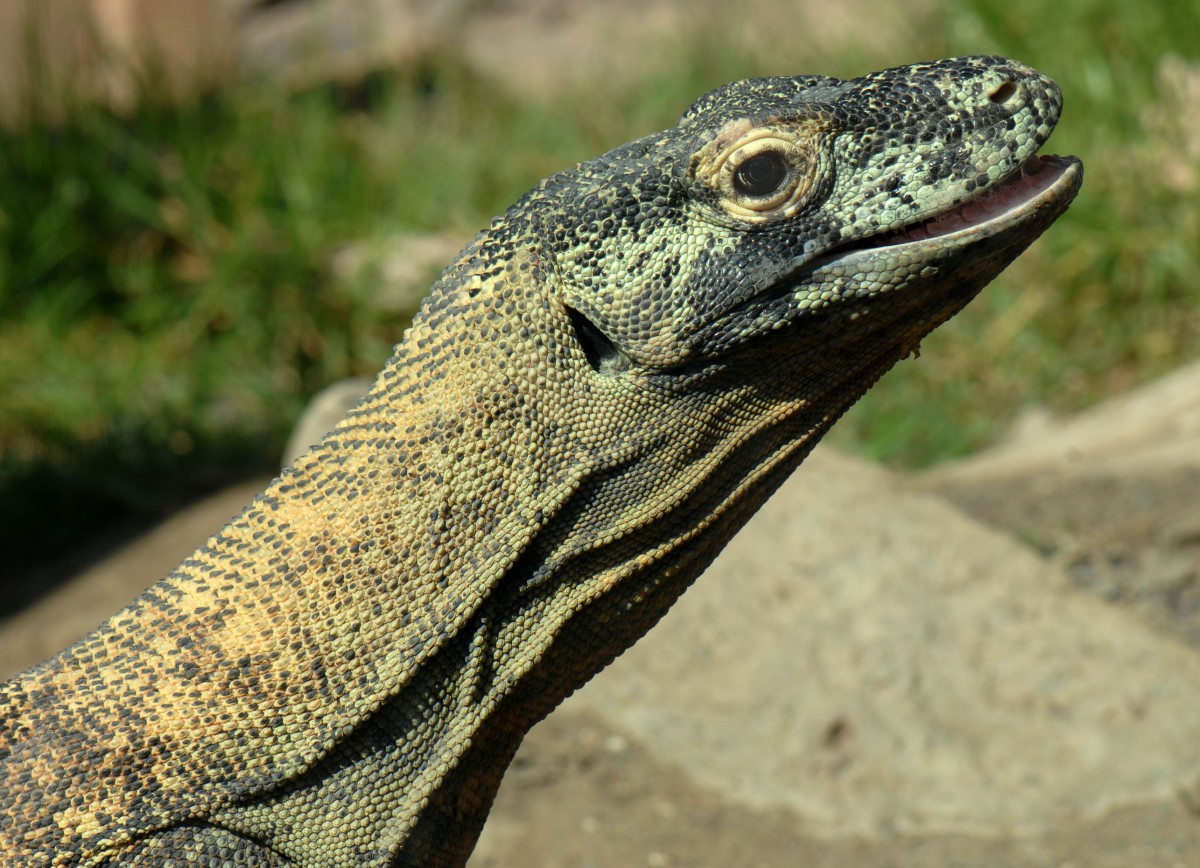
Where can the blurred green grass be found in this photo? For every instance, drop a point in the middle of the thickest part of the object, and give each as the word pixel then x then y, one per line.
pixel 168 300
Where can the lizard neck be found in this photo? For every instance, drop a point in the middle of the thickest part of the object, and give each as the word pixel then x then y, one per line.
pixel 455 559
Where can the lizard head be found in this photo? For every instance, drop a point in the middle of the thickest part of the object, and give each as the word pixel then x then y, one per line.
pixel 889 200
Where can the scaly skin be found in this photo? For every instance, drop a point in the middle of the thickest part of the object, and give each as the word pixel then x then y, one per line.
pixel 601 390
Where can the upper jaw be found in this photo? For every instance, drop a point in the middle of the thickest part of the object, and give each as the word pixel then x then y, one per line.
pixel 1032 196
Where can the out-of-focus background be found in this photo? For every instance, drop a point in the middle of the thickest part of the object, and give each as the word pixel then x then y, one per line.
pixel 210 209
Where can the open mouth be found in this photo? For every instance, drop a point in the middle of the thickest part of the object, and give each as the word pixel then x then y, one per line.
pixel 1022 189
pixel 1040 182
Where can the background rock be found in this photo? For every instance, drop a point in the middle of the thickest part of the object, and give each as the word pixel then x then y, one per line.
pixel 325 410
pixel 1152 429
pixel 875 661
pixel 1110 496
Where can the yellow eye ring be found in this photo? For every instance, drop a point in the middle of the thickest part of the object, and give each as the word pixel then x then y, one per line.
pixel 765 174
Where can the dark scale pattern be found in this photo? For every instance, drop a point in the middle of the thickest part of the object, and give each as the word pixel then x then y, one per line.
pixel 595 397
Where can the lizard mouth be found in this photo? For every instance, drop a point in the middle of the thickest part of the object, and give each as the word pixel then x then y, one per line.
pixel 1042 185
pixel 1032 186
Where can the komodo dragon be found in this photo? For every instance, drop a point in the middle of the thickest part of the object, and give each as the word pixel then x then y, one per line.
pixel 598 393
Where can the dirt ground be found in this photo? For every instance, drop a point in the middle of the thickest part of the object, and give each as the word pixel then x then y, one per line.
pixel 580 794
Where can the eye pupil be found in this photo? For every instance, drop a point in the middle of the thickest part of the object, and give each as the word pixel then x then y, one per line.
pixel 761 175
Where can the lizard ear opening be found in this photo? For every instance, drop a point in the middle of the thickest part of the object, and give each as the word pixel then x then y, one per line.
pixel 602 354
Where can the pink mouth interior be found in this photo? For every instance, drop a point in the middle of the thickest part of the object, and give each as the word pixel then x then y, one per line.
pixel 1023 186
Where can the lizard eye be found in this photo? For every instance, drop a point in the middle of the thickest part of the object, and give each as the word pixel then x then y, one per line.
pixel 764 174
pixel 761 175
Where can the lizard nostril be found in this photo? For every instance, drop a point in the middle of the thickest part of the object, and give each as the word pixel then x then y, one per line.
pixel 1003 93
